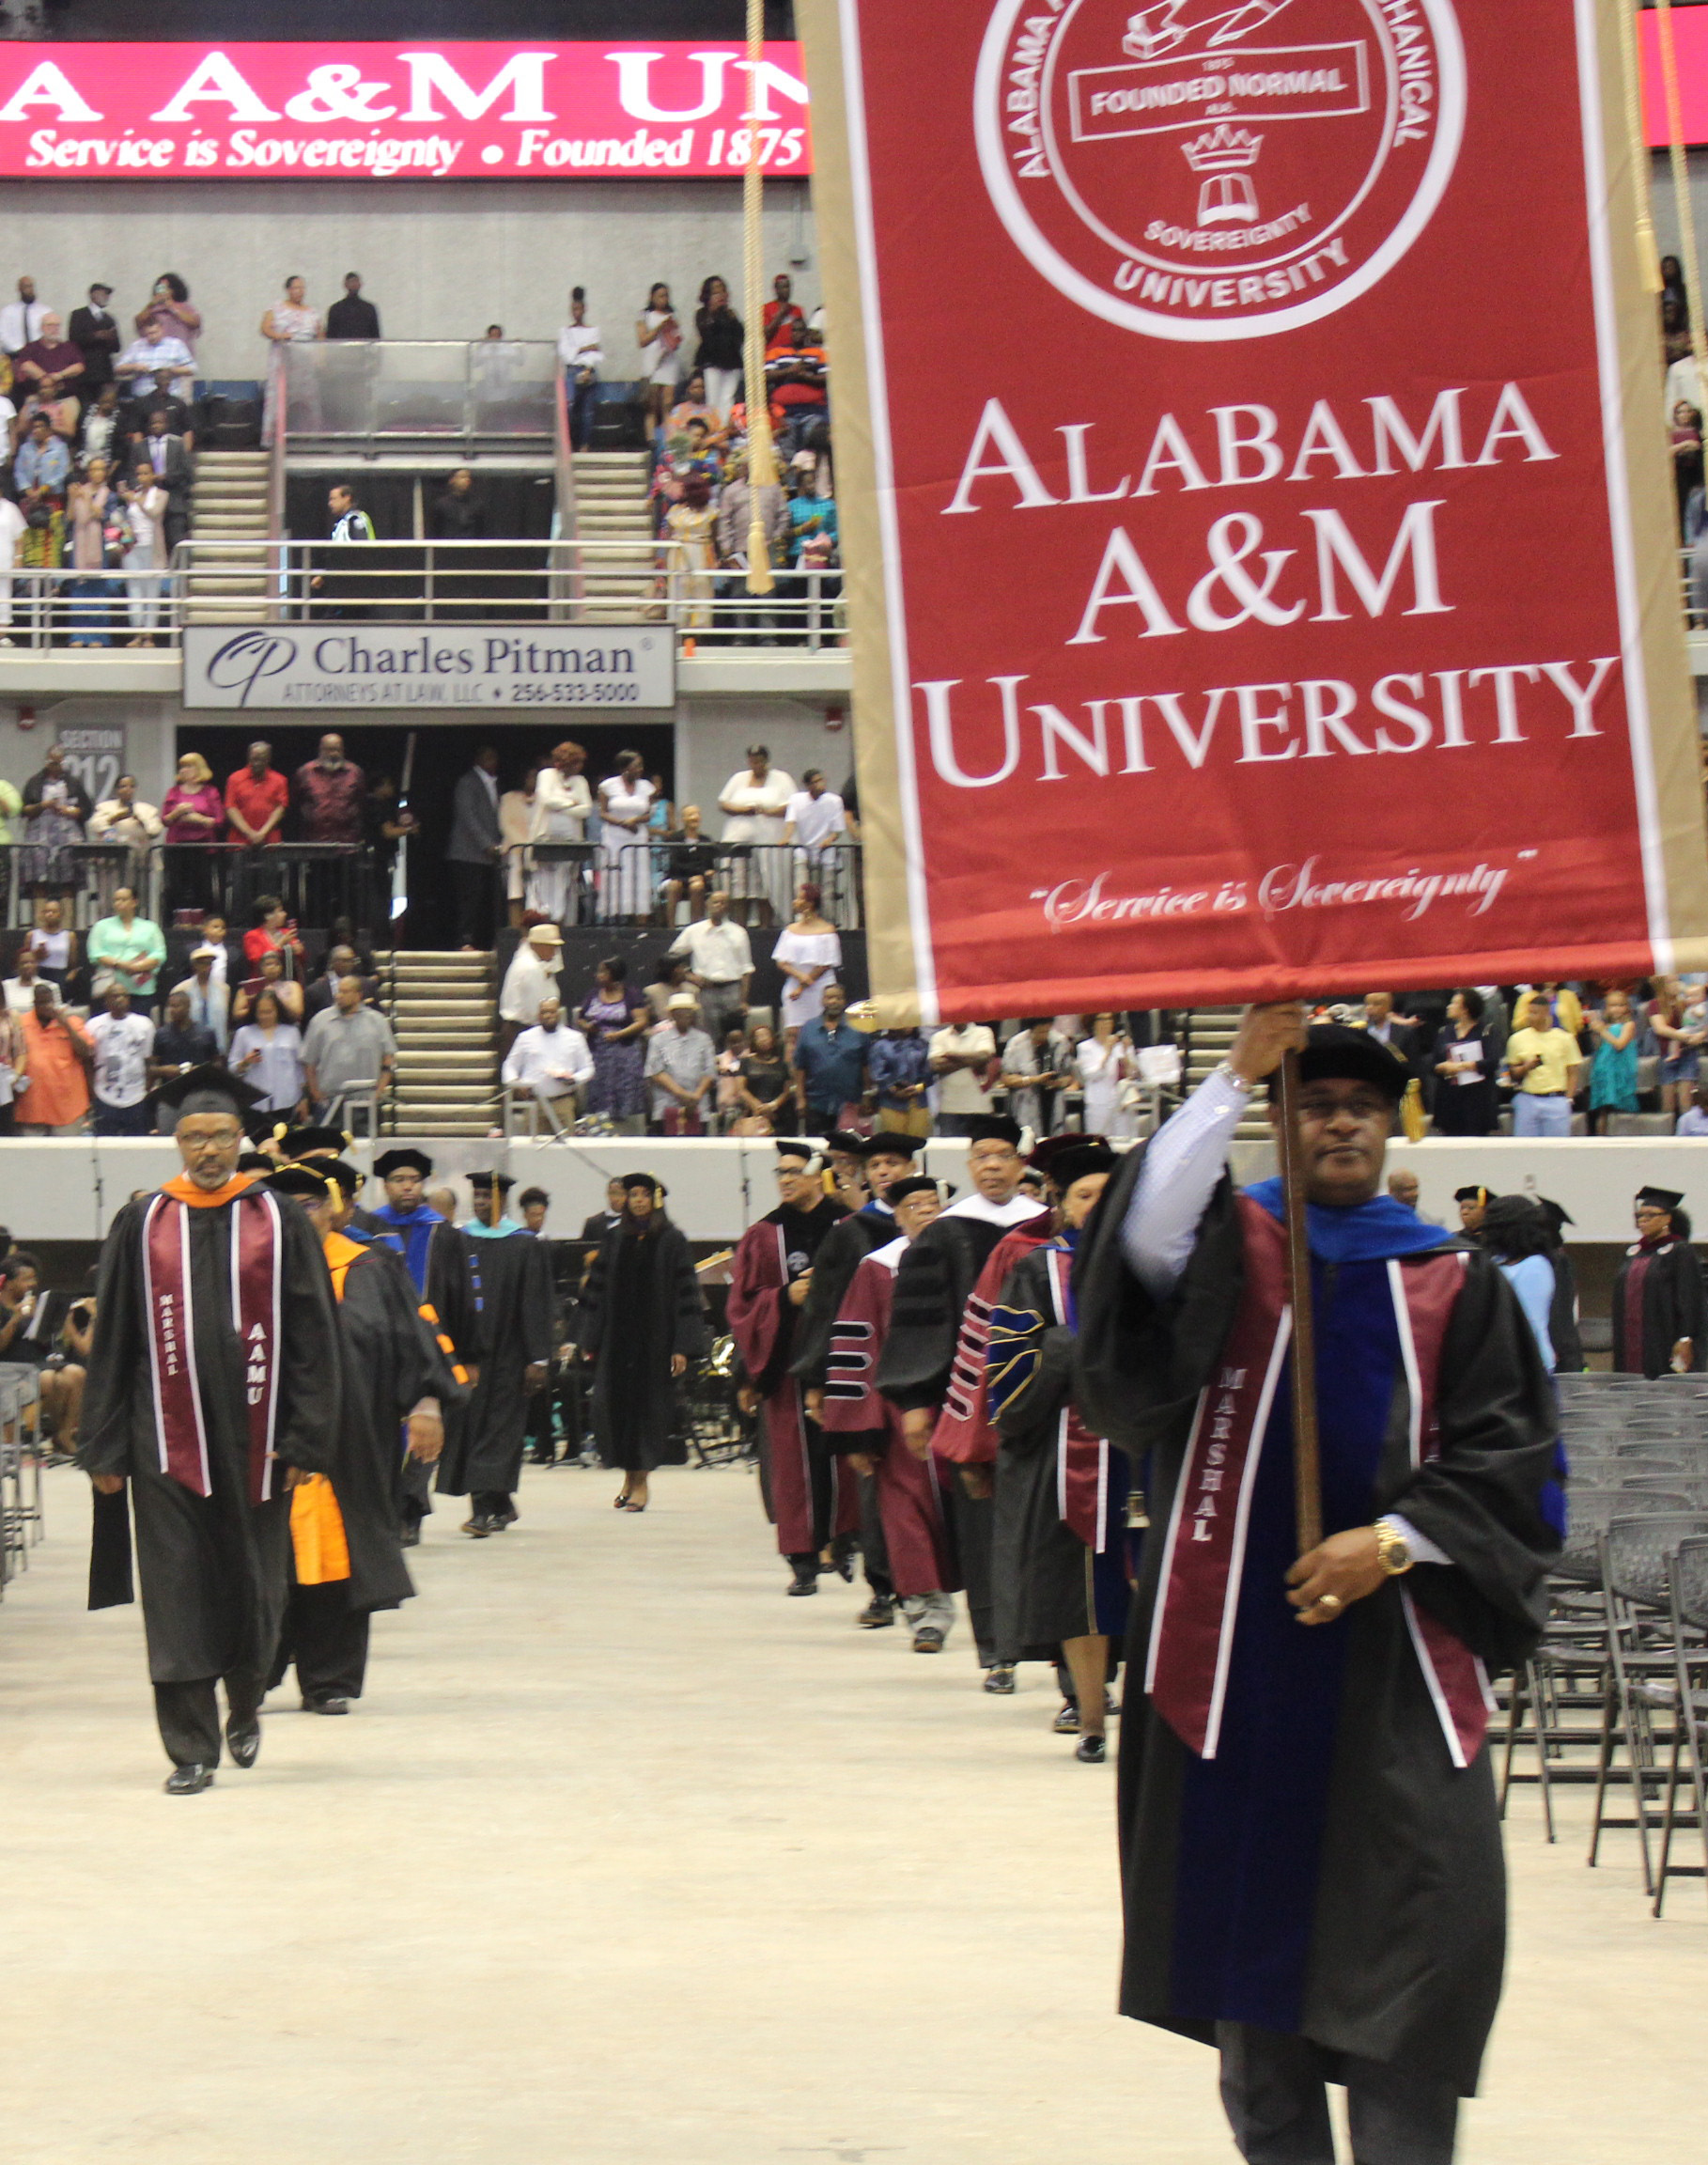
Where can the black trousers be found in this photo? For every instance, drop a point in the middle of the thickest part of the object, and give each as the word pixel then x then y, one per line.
pixel 973 1522
pixel 326 1640
pixel 875 1556
pixel 490 1502
pixel 189 1715
pixel 1274 2090
pixel 474 888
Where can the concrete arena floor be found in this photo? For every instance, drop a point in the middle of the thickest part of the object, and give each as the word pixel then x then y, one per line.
pixel 626 1859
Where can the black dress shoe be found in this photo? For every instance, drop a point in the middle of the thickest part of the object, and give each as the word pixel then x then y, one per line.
pixel 330 1704
pixel 188 1781
pixel 842 1553
pixel 243 1740
pixel 878 1612
pixel 507 1517
pixel 1092 1750
pixel 1066 1723
pixel 804 1583
pixel 1000 1679
pixel 409 1533
pixel 479 1527
pixel 927 1639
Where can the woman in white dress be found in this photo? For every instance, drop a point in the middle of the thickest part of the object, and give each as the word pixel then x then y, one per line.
pixel 515 831
pixel 755 804
pixel 562 802
pixel 290 323
pixel 659 336
pixel 1106 1062
pixel 625 851
pixel 809 954
pixel 145 511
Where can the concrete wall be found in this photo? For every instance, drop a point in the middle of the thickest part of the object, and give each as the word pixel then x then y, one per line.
pixel 712 736
pixel 438 259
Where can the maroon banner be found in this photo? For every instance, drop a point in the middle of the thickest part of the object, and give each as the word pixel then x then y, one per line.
pixel 360 111
pixel 1267 592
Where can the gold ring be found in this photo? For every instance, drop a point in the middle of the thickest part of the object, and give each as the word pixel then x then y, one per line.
pixel 1332 1602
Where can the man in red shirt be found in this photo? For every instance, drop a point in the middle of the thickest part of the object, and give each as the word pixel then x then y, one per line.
pixel 781 315
pixel 330 793
pixel 256 797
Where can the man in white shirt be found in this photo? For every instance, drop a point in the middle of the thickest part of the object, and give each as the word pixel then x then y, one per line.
pixel 720 966
pixel 961 1055
pixel 816 821
pixel 552 1062
pixel 531 978
pixel 156 363
pixel 210 999
pixel 681 1067
pixel 118 1085
pixel 21 320
pixel 579 354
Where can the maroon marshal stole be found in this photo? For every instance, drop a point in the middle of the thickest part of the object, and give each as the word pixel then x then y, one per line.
pixel 181 1419
pixel 1192 1631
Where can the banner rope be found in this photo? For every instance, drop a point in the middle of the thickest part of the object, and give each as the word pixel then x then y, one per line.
pixel 1648 248
pixel 1681 191
pixel 761 458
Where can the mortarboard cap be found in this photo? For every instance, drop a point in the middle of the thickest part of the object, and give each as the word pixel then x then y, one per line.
pixel 208 1089
pixel 301 1181
pixel 311 1142
pixel 887 1143
pixel 1335 1053
pixel 1660 1198
pixel 391 1161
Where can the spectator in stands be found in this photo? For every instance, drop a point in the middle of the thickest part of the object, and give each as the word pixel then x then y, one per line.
pixel 720 960
pixel 682 1069
pixel 829 1063
pixel 49 371
pixel 719 353
pixel 125 817
pixel 1613 1059
pixel 964 1060
pixel 180 1043
pixel 55 947
pixel 1038 1072
pixel 256 800
pixel 797 372
pixel 267 1052
pixel 102 432
pixel 208 999
pixel 898 1071
pixel 144 506
pixel 660 337
pixel 155 366
pixel 1465 1060
pixel 94 330
pixel 1693 1121
pixel 691 407
pixel 614 1018
pixel 21 320
pixel 288 322
pixel 735 518
pixel 195 816
pixel 672 978
pixel 1686 438
pixel 268 976
pixel 626 800
pixel 14 1070
pixel 690 865
pixel 169 305
pixel 1679 1025
pixel 320 993
pixel 550 1060
pixel 456 513
pixel 55 809
pixel 60 1055
pixel 579 356
pixel 122 1041
pixel 473 849
pixel 813 821
pixel 1541 1064
pixel 808 952
pixel 21 991
pixel 167 456
pixel 562 802
pixel 97 541
pixel 765 1083
pixel 41 468
pixel 329 790
pixel 754 802
pixel 691 525
pixel 352 316
pixel 514 826
pixel 126 949
pixel 780 314
pixel 813 526
pixel 349 1051
pixel 274 931
pixel 1106 1068
pixel 532 976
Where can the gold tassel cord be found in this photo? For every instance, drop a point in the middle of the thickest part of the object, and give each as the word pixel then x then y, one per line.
pixel 1680 190
pixel 1648 248
pixel 761 457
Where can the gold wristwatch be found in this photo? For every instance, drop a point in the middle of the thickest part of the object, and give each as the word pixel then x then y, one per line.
pixel 1393 1551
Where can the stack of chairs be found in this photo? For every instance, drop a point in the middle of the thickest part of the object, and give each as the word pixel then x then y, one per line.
pixel 1608 1697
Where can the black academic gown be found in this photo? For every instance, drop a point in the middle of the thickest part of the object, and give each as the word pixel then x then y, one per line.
pixel 1658 1300
pixel 642 1307
pixel 511 1281
pixel 436 1256
pixel 391 1360
pixel 1394 1929
pixel 213 1568
pixel 850 1240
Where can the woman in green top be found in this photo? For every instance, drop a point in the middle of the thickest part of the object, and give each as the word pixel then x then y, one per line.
pixel 126 949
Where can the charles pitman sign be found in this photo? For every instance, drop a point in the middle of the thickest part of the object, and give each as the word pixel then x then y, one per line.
pixel 428 668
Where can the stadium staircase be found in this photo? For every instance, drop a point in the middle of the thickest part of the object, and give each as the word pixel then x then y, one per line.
pixel 229 504
pixel 443 1010
pixel 1210 1039
pixel 611 505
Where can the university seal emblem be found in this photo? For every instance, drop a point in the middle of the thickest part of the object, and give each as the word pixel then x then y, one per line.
pixel 1215 169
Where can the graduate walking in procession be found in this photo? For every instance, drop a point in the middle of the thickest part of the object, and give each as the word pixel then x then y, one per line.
pixel 214 1390
pixel 511 1281
pixel 1660 1307
pixel 1309 1840
pixel 642 1321
pixel 346 1526
pixel 813 1502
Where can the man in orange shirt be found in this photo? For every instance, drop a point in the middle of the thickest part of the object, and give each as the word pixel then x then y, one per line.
pixel 256 799
pixel 796 371
pixel 60 1058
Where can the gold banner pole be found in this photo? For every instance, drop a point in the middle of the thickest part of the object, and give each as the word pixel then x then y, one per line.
pixel 1648 248
pixel 761 457
pixel 1680 190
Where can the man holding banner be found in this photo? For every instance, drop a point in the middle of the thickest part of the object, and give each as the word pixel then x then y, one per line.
pixel 1310 1846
